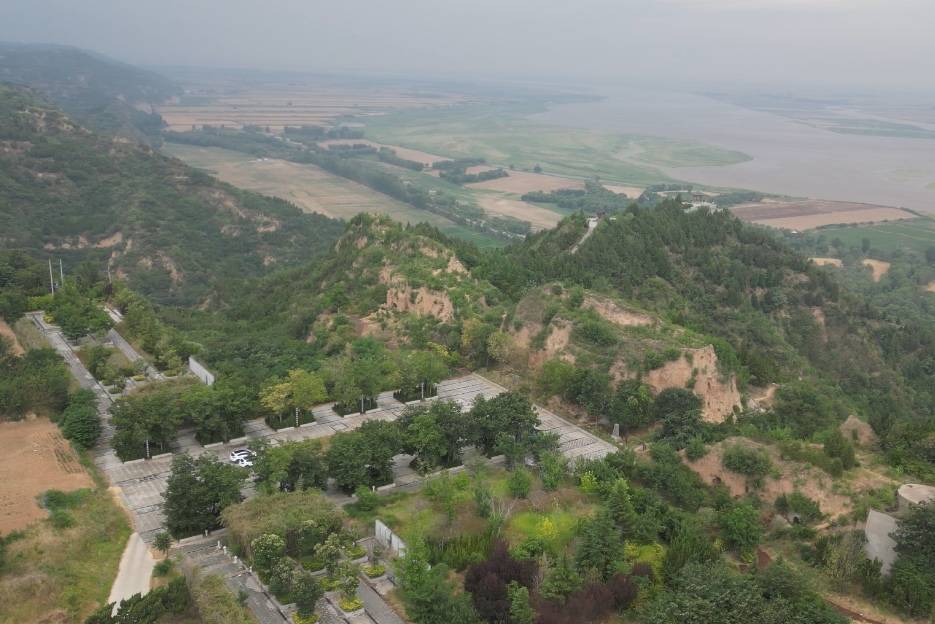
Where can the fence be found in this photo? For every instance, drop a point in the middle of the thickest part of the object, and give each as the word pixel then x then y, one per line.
pixel 388 539
pixel 202 373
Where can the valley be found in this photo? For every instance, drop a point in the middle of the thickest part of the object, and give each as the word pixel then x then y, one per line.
pixel 355 351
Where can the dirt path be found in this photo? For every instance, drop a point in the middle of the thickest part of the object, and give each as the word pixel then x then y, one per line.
pixel 835 262
pixel 136 568
pixel 7 331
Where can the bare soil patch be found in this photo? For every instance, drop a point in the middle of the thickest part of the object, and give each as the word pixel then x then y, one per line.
pixel 814 483
pixel 7 332
pixel 718 395
pixel 879 268
pixel 808 214
pixel 34 457
pixel 525 182
pixel 855 429
pixel 931 287
pixel 835 262
pixel 538 218
pixel 616 314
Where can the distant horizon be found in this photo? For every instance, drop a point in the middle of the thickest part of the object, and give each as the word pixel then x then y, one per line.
pixel 833 46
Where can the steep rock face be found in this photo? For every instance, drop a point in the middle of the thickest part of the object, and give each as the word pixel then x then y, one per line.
pixel 719 395
pixel 420 301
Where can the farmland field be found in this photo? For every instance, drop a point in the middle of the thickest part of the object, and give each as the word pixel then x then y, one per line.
pixel 916 234
pixel 277 102
pixel 808 214
pixel 310 188
pixel 35 451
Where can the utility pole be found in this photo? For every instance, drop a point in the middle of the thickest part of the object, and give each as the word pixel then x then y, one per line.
pixel 51 277
pixel 61 273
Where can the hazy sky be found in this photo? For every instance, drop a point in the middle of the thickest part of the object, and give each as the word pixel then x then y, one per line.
pixel 857 43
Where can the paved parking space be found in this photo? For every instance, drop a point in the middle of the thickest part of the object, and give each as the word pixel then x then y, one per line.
pixel 142 483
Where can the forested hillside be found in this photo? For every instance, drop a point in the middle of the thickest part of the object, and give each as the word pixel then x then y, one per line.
pixel 782 319
pixel 102 94
pixel 173 233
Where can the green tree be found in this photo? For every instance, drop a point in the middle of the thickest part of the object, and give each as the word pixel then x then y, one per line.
pixel 553 468
pixel 268 549
pixel 621 507
pixel 163 542
pixel 600 547
pixel 428 596
pixel 837 446
pixel 306 591
pixel 740 527
pixel 690 545
pixel 804 407
pixel 631 406
pixel 560 580
pixel 520 610
pixel 80 421
pixel 197 491
pixel 519 482
pixel 680 413
pixel 507 414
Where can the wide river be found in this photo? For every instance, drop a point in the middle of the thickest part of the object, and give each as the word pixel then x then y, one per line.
pixel 789 157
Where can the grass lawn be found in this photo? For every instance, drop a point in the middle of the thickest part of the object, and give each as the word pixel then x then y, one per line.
pixel 563 522
pixel 66 572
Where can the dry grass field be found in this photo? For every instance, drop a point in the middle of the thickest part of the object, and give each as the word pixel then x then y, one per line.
pixel 278 104
pixel 310 188
pixel 36 458
pixel 808 214
pixel 7 332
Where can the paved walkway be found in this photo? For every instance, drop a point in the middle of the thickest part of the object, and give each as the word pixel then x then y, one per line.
pixel 136 568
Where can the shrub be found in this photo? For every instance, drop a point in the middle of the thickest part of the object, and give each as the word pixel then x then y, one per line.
pixel 519 483
pixel 753 463
pixel 373 571
pixel 162 568
pixel 552 470
pixel 798 503
pixel 367 499
pixel 696 449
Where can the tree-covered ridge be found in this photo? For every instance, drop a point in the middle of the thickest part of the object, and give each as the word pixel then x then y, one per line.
pixel 780 317
pixel 173 232
pixel 103 94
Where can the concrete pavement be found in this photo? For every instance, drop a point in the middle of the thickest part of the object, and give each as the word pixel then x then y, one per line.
pixel 136 568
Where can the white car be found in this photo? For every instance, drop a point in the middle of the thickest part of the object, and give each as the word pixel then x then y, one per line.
pixel 245 462
pixel 237 455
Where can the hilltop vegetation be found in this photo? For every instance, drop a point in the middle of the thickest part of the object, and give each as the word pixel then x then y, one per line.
pixel 175 234
pixel 101 93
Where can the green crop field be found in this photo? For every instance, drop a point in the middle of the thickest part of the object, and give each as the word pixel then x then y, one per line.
pixel 915 234
pixel 503 134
